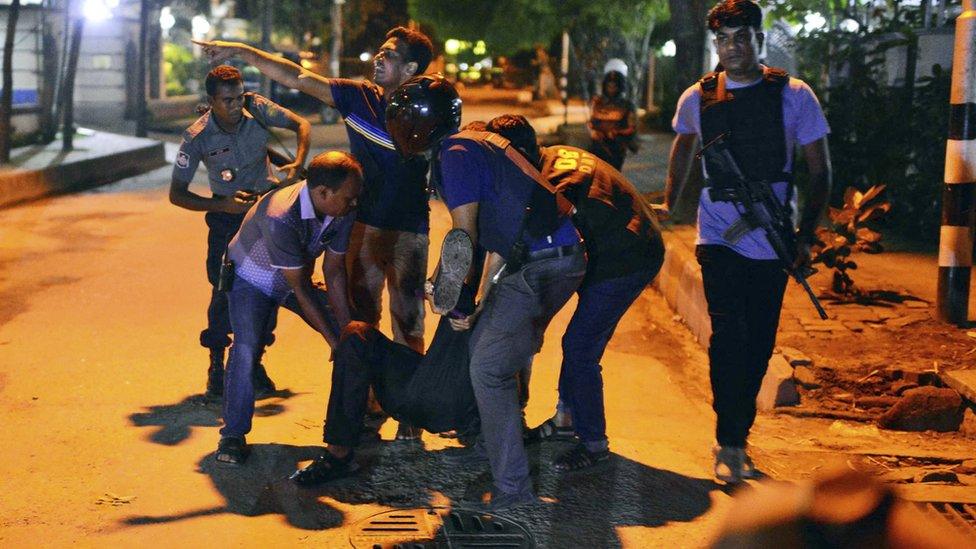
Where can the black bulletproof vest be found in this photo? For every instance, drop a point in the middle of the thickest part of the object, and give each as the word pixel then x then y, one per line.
pixel 752 118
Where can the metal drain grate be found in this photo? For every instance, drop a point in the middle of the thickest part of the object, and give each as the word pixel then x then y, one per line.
pixel 436 528
pixel 962 516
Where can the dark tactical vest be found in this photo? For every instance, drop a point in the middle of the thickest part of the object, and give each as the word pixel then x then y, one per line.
pixel 522 209
pixel 752 118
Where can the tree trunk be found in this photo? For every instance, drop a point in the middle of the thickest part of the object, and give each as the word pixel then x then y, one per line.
pixel 68 92
pixel 7 98
pixel 689 30
pixel 141 110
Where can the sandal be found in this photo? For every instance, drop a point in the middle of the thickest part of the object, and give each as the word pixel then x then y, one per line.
pixel 456 255
pixel 406 432
pixel 546 431
pixel 325 468
pixel 728 464
pixel 580 458
pixel 231 451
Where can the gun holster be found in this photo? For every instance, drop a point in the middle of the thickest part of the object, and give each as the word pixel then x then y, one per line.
pixel 225 281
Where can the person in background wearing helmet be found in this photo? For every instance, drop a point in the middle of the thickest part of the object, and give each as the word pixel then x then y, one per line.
pixel 536 261
pixel 613 120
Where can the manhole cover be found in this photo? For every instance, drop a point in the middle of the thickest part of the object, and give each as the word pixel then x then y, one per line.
pixel 438 527
pixel 960 515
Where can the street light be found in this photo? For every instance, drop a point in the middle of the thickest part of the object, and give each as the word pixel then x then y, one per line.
pixel 199 26
pixel 98 10
pixel 166 20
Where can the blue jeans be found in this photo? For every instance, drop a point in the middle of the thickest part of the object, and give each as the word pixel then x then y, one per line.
pixel 221 228
pixel 601 306
pixel 506 335
pixel 250 309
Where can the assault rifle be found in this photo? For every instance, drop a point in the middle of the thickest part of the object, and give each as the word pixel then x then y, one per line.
pixel 758 208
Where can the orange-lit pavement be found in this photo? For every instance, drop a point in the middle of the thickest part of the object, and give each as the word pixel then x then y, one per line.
pixel 106 441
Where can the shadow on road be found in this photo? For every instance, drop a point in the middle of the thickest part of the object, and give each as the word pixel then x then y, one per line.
pixel 578 510
pixel 174 422
pixel 259 487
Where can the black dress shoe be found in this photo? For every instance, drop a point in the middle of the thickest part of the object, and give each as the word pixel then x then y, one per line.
pixel 325 468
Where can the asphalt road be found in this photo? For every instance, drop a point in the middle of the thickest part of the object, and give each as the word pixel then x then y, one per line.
pixel 106 439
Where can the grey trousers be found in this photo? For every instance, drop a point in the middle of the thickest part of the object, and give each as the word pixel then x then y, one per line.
pixel 506 336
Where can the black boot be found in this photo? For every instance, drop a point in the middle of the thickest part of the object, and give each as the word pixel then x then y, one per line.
pixel 263 386
pixel 215 374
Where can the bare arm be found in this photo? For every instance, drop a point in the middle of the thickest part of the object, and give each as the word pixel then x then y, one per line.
pixel 277 68
pixel 817 156
pixel 181 195
pixel 334 271
pixel 303 132
pixel 679 167
pixel 300 281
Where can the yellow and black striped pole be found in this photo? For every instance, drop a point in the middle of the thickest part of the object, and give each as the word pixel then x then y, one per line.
pixel 959 192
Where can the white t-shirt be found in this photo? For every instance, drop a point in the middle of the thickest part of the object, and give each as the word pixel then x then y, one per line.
pixel 804 123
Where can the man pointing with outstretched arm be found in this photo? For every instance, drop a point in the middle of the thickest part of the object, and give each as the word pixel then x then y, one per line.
pixel 389 241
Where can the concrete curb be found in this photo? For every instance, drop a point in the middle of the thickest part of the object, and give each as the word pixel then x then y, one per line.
pixel 98 159
pixel 680 282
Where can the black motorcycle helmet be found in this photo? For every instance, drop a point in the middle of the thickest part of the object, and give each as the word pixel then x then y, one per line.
pixel 421 112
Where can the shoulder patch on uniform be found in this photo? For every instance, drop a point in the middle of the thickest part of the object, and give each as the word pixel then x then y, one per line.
pixel 709 81
pixel 182 160
pixel 197 127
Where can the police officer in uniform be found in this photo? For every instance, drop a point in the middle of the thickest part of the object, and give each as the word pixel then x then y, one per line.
pixel 764 114
pixel 231 140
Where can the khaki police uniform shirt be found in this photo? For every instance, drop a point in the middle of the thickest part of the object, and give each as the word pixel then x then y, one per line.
pixel 235 161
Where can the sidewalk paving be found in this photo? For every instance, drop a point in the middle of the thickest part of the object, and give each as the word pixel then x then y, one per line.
pixel 98 157
pixel 857 339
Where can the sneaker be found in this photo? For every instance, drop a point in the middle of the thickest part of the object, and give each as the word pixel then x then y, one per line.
pixel 728 463
pixel 263 386
pixel 748 470
pixel 580 457
pixel 325 468
pixel 456 255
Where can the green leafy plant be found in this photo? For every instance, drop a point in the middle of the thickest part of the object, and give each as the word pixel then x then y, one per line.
pixel 849 232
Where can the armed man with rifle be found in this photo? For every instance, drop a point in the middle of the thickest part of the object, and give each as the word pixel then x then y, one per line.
pixel 750 118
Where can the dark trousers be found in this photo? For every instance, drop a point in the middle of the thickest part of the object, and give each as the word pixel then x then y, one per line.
pixel 600 308
pixel 221 228
pixel 250 309
pixel 744 300
pixel 360 363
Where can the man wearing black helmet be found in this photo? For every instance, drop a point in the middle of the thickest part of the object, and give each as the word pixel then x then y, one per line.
pixel 536 260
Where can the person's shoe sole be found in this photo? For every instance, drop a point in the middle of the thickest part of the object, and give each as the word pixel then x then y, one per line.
pixel 456 255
